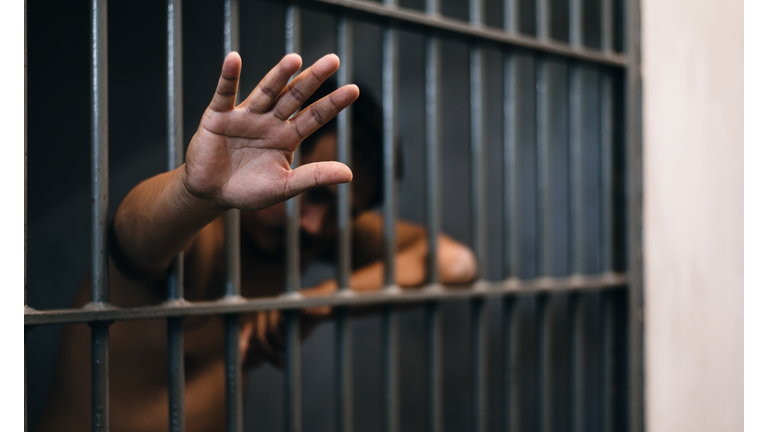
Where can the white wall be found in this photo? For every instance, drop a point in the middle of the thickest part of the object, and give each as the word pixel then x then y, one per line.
pixel 694 196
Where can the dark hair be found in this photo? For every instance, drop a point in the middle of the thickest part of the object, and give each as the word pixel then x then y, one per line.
pixel 367 138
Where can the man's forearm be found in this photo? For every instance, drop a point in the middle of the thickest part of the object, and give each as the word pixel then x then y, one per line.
pixel 156 221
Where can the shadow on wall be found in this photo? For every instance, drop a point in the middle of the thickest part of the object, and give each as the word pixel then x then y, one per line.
pixel 59 189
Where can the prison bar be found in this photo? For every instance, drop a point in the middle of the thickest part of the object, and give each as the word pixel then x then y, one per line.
pixel 233 370
pixel 479 221
pixel 511 396
pixel 606 25
pixel 100 213
pixel 576 317
pixel 512 390
pixel 543 29
pixel 344 413
pixel 223 306
pixel 447 27
pixel 433 324
pixel 390 339
pixel 292 262
pixel 26 307
pixel 576 221
pixel 544 314
pixel 606 246
pixel 175 131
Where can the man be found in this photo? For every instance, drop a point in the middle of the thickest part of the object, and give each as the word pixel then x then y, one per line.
pixel 240 157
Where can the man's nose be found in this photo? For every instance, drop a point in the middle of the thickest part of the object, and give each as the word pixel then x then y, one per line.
pixel 312 218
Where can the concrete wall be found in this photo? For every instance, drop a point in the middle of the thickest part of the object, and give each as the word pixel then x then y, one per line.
pixel 694 198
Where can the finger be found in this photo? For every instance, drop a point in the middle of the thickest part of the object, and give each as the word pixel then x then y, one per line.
pixel 302 87
pixel 318 114
pixel 315 174
pixel 263 97
pixel 263 341
pixel 226 91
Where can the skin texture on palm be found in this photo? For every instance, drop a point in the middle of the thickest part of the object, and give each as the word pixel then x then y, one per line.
pixel 241 156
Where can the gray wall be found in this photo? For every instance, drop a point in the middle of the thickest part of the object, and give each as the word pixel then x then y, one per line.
pixel 59 190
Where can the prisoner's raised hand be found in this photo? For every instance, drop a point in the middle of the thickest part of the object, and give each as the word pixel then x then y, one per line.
pixel 240 157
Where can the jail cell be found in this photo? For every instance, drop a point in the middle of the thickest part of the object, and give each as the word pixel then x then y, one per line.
pixel 568 159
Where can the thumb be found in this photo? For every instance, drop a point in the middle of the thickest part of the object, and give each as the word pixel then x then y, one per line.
pixel 317 174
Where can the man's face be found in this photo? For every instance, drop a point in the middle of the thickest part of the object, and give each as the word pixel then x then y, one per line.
pixel 265 229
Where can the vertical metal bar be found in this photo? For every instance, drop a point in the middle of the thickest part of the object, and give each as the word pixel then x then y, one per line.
pixel 25 213
pixel 575 22
pixel 233 370
pixel 606 248
pixel 511 361
pixel 478 308
pixel 176 400
pixel 510 326
pixel 344 151
pixel 100 376
pixel 544 319
pixel 293 205
pixel 546 360
pixel 100 212
pixel 433 210
pixel 390 342
pixel 232 226
pixel 479 332
pixel 608 347
pixel 231 26
pixel 293 263
pixel 511 16
pixel 99 153
pixel 477 127
pixel 389 320
pixel 606 168
pixel 344 406
pixel 390 96
pixel 434 322
pixel 543 29
pixel 576 324
pixel 606 16
pixel 634 169
pixel 511 207
pixel 576 147
pixel 293 371
pixel 292 29
pixel 576 227
pixel 477 12
pixel 543 199
pixel 434 359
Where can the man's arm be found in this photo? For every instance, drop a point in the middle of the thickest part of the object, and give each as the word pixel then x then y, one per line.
pixel 263 336
pixel 456 262
pixel 240 157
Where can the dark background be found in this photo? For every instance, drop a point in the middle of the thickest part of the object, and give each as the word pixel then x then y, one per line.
pixel 59 187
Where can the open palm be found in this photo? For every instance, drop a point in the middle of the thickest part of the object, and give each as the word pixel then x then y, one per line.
pixel 240 157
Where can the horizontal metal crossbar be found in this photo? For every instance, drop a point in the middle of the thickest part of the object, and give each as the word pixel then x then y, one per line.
pixel 394 294
pixel 424 22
